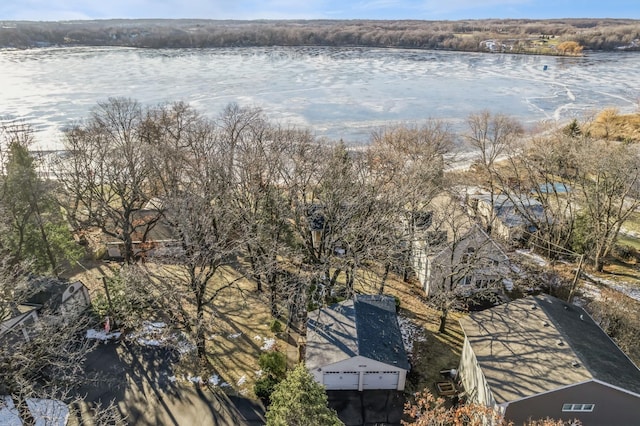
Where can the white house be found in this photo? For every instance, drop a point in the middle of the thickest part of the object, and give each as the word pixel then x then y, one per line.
pixel 46 295
pixel 473 261
pixel 57 296
pixel 510 217
pixel 357 345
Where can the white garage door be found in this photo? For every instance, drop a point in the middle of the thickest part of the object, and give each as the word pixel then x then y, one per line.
pixel 381 380
pixel 341 380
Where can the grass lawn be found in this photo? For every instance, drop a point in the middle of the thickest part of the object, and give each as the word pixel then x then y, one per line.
pixel 239 326
pixel 633 222
pixel 437 351
pixel 627 240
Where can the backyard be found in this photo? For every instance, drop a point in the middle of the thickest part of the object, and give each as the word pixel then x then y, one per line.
pixel 238 331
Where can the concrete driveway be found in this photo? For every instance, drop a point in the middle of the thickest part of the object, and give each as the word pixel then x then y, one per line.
pixel 368 408
pixel 137 378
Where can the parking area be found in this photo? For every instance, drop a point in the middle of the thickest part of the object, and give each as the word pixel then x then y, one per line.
pixel 140 380
pixel 368 408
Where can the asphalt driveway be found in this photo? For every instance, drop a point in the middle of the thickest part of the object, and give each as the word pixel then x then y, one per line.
pixel 368 408
pixel 139 380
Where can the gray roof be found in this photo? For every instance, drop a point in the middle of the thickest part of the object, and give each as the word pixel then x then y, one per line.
pixel 510 212
pixel 538 344
pixel 596 351
pixel 47 292
pixel 366 326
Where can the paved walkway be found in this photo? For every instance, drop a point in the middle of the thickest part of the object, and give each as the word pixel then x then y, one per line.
pixel 140 380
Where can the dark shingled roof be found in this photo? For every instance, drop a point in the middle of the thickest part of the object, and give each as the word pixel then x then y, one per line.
pixel 538 344
pixel 366 326
pixel 379 336
pixel 47 292
pixel 596 351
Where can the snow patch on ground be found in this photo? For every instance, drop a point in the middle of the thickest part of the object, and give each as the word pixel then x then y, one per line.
pixel 411 332
pixel 268 344
pixel 537 259
pixel 234 335
pixel 259 373
pixel 158 334
pixel 625 288
pixel 102 335
pixel 215 380
pixel 587 291
pixel 242 380
pixel 194 379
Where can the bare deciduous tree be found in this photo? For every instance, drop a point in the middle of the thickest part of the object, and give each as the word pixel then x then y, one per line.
pixel 41 359
pixel 464 266
pixel 407 163
pixel 105 177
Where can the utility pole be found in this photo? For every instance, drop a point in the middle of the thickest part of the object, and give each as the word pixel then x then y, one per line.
pixel 106 291
pixel 574 284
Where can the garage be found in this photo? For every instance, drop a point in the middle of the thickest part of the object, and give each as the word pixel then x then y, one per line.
pixel 341 380
pixel 357 345
pixel 380 380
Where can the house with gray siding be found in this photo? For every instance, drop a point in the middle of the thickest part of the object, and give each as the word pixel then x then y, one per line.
pixel 541 357
pixel 510 217
pixel 471 262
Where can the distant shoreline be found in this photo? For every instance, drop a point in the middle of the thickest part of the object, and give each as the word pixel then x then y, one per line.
pixel 518 36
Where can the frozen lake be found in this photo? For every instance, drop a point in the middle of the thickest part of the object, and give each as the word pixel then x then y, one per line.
pixel 339 93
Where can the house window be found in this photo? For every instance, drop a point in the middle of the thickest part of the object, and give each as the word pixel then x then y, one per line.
pixel 468 255
pixel 580 408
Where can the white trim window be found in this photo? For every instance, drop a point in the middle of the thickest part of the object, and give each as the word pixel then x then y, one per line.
pixel 577 408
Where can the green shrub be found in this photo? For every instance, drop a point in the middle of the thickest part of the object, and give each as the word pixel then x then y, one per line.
pixel 397 300
pixel 274 369
pixel 99 253
pixel 264 387
pixel 273 364
pixel 275 326
pixel 625 252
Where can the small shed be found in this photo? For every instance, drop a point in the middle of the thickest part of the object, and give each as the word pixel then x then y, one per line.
pixel 16 321
pixel 357 345
pixel 59 296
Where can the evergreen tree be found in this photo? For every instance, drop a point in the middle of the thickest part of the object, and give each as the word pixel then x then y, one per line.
pixel 35 228
pixel 300 400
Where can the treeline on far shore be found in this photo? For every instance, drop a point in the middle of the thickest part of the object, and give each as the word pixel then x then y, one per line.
pixel 511 35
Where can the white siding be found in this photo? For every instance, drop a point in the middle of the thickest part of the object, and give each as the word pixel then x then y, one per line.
pixel 473 379
pixel 75 299
pixel 362 365
pixel 341 380
pixel 380 380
